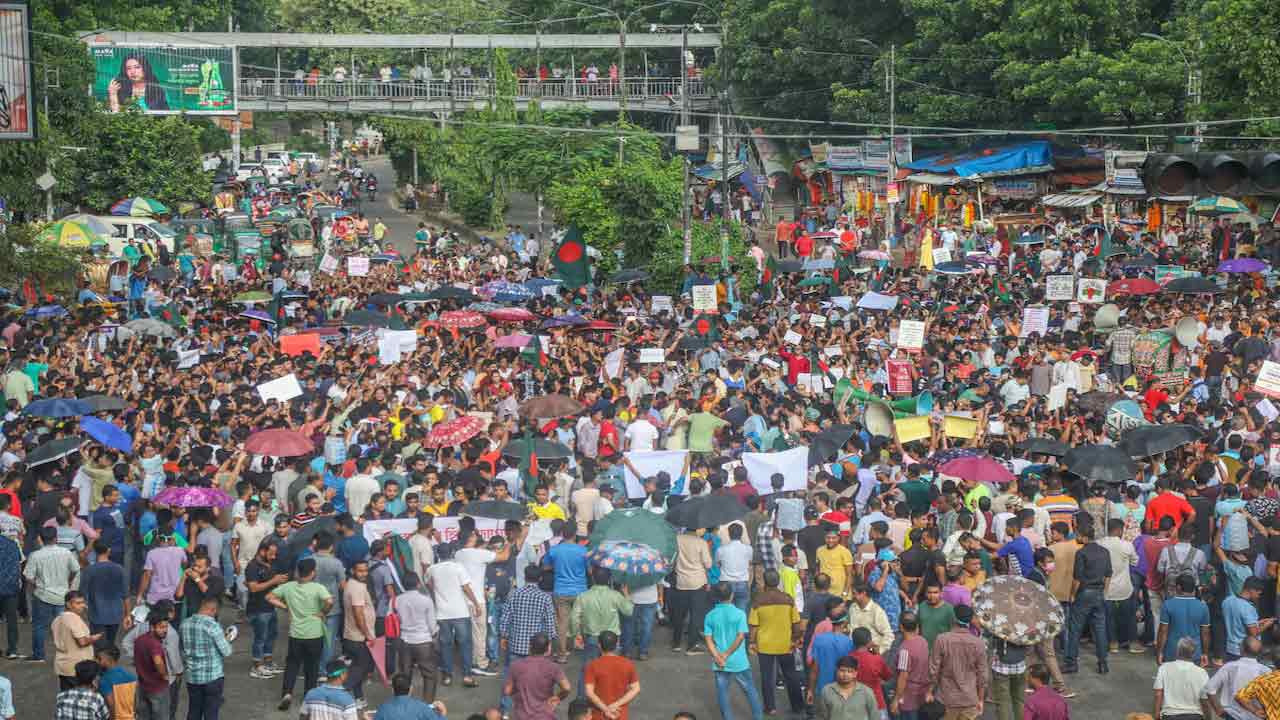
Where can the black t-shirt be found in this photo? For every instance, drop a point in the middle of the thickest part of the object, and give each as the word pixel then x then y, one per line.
pixel 921 563
pixel 1092 566
pixel 1204 519
pixel 257 572
pixel 810 538
pixel 215 587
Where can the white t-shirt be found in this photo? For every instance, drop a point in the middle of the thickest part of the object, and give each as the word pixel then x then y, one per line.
pixel 734 559
pixel 1184 687
pixel 475 560
pixel 447 579
pixel 642 435
pixel 360 490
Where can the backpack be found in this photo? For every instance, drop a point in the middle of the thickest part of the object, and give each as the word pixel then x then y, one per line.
pixel 1178 568
pixel 401 557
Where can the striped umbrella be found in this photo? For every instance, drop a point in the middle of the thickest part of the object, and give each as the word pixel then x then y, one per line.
pixel 1215 206
pixel 139 207
pixel 69 233
pixel 461 319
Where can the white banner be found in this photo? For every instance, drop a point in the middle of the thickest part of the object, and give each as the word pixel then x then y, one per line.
pixel 613 363
pixel 704 298
pixel 793 464
pixel 446 528
pixel 283 389
pixel 1091 290
pixel 911 334
pixel 357 266
pixel 653 355
pixel 1059 287
pixel 649 463
pixel 660 303
pixel 1268 381
pixel 1035 320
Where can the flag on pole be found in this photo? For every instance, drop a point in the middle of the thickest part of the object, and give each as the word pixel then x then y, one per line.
pixel 570 259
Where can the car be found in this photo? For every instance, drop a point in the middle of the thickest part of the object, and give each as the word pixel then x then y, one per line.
pixel 276 170
pixel 310 160
pixel 248 170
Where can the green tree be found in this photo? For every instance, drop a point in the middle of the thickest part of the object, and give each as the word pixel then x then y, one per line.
pixel 667 264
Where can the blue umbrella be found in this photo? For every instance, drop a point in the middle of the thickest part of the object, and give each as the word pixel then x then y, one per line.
pixel 566 320
pixel 58 408
pixel 47 311
pixel 818 264
pixel 107 433
pixel 262 315
pixel 955 267
pixel 536 284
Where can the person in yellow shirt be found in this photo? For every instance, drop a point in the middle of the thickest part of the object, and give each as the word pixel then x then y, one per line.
pixel 543 508
pixel 439 505
pixel 836 562
pixel 973 575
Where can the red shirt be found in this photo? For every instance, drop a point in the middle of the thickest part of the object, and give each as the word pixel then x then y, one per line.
pixel 873 672
pixel 1167 504
pixel 15 506
pixel 848 241
pixel 1152 549
pixel 1153 398
pixel 609 677
pixel 796 364
pixel 804 245
pixel 610 431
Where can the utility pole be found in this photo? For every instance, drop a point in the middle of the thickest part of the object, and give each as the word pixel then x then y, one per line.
pixel 724 180
pixel 52 79
pixel 622 65
pixel 891 79
pixel 685 215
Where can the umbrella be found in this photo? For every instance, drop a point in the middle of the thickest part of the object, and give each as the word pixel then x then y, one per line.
pixel 366 318
pixel 1251 348
pixel 874 255
pixel 708 511
pixel 1242 265
pixel 93 223
pixel 151 326
pixel 1044 446
pixel 1215 206
pixel 1096 401
pixel 138 207
pixel 788 266
pixel 496 509
pixel 512 315
pixel 1029 239
pixel 189 496
pixel 819 264
pixel 544 449
pixel 162 273
pixel 513 341
pixel 536 284
pixel 567 320
pixel 451 292
pixel 69 233
pixel 484 306
pixel 261 315
pixel 1192 286
pixel 454 432
pixel 279 442
pixel 632 558
pixel 53 450
pixel 599 325
pixel 57 408
pixel 942 457
pixel 814 281
pixel 977 468
pixel 1151 440
pixel 461 319
pixel 1145 261
pixel 1100 463
pixel 507 291
pixel 629 276
pixel 955 267
pixel 1133 286
pixel 384 299
pixel 378 649
pixel 46 311
pixel 824 235
pixel 825 445
pixel 104 403
pixel 107 433
pixel 253 296
pixel 550 406
pixel 1018 610
pixel 636 525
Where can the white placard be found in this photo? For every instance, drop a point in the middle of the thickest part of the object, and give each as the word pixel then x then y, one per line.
pixel 283 389
pixel 1091 290
pixel 792 337
pixel 357 266
pixel 1268 382
pixel 1059 287
pixel 941 255
pixel 1035 320
pixel 329 264
pixel 833 351
pixel 1267 409
pixel 653 355
pixel 704 298
pixel 817 320
pixel 446 528
pixel 550 290
pixel 844 302
pixel 660 303
pixel 188 359
pixel 651 462
pixel 1057 397
pixel 911 334
pixel 613 363
pixel 406 339
pixel 388 350
pixel 793 464
pixel 771 363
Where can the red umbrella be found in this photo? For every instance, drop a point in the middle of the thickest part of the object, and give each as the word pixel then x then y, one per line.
pixel 511 315
pixel 455 432
pixel 825 235
pixel 1133 286
pixel 979 468
pixel 461 319
pixel 279 443
pixel 598 325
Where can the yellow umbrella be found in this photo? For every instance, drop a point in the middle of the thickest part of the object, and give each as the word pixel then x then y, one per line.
pixel 69 233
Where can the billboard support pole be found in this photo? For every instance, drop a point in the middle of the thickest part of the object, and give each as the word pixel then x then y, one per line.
pixel 52 79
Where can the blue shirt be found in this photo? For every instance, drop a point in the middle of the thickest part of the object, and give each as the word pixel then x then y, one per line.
pixel 1019 547
pixel 569 560
pixel 724 624
pixel 104 587
pixel 10 567
pixel 108 520
pixel 351 549
pixel 1184 616
pixel 403 707
pixel 826 649
pixel 1237 615
pixel 339 485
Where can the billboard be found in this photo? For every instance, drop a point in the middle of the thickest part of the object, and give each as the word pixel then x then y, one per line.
pixel 17 106
pixel 165 79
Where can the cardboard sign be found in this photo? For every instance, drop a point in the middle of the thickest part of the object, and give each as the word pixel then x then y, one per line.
pixel 653 355
pixel 704 298
pixel 941 255
pixel 913 428
pixel 792 337
pixel 1091 290
pixel 817 320
pixel 833 351
pixel 958 426
pixel 1035 320
pixel 446 528
pixel 899 376
pixel 1268 382
pixel 295 345
pixel 660 303
pixel 329 264
pixel 282 389
pixel 1059 287
pixel 911 334
pixel 357 266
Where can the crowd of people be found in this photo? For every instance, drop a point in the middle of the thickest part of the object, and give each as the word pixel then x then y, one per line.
pixel 857 590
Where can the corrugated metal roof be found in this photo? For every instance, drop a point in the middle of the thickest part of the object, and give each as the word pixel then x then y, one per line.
pixel 935 179
pixel 1070 200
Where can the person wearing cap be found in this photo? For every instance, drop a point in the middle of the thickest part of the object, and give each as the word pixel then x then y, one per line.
pixel 958 669
pixel 331 700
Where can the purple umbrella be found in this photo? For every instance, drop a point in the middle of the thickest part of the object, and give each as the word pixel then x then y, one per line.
pixel 262 315
pixel 1242 265
pixel 567 320
pixel 189 496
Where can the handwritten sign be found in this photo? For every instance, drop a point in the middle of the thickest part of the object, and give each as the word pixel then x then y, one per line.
pixel 833 351
pixel 1091 290
pixel 899 376
pixel 941 255
pixel 911 334
pixel 357 266
pixel 1035 320
pixel 653 355
pixel 792 337
pixel 282 389
pixel 1268 382
pixel 1059 287
pixel 704 298
pixel 329 264
pixel 660 303
pixel 817 320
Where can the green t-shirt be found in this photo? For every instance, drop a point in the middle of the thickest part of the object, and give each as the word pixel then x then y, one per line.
pixel 971 497
pixel 306 608
pixel 935 620
pixel 702 427
pixel 917 492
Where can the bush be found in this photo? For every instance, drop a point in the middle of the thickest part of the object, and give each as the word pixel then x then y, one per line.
pixel 667 264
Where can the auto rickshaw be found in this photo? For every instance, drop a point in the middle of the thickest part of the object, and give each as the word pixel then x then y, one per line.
pixel 248 243
pixel 205 231
pixel 301 239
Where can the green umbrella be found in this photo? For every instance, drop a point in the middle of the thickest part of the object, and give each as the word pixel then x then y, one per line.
pixel 69 233
pixel 814 281
pixel 639 526
pixel 253 296
pixel 1215 206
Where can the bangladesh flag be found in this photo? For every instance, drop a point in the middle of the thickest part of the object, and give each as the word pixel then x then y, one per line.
pixel 707 327
pixel 766 280
pixel 570 259
pixel 999 290
pixel 533 353
pixel 528 464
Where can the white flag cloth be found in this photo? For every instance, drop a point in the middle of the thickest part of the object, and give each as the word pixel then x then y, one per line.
pixel 649 463
pixel 793 464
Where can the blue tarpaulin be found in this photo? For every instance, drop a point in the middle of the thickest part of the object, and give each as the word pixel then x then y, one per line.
pixel 1034 154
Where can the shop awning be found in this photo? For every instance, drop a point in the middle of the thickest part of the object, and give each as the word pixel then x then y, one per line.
pixel 1070 200
pixel 934 179
pixel 713 172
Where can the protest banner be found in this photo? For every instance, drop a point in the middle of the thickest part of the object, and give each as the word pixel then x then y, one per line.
pixel 446 528
pixel 704 298
pixel 357 266
pixel 651 462
pixel 1059 287
pixel 282 389
pixel 899 376
pixel 1091 290
pixel 295 345
pixel 1268 382
pixel 793 464
pixel 1035 320
pixel 911 334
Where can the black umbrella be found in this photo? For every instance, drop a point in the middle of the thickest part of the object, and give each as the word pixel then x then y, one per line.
pixel 163 273
pixel 1151 440
pixel 385 299
pixel 452 292
pixel 736 415
pixel 1250 349
pixel 299 540
pixel 629 276
pixel 708 511
pixel 1192 286
pixel 789 266
pixel 544 449
pixel 496 509
pixel 104 403
pixel 1146 261
pixel 825 446
pixel 1101 463
pixel 53 450
pixel 1044 446
pixel 1097 401
pixel 366 318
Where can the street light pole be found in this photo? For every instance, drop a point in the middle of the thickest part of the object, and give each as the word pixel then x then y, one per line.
pixel 890 209
pixel 685 214
pixel 1192 92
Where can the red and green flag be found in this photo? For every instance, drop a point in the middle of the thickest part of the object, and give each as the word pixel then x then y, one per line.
pixel 533 353
pixel 999 290
pixel 570 259
pixel 528 465
pixel 707 327
pixel 766 280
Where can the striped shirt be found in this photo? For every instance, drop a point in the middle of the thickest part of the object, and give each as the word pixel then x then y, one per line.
pixel 529 610
pixel 204 645
pixel 329 702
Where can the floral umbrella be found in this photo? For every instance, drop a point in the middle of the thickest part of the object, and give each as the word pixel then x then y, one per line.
pixel 628 557
pixel 455 432
pixel 461 319
pixel 188 496
pixel 943 457
pixel 139 207
pixel 1017 610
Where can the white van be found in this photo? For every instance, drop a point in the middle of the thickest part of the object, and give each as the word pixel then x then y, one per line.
pixel 144 230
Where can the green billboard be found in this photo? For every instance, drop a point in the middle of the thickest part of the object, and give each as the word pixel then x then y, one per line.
pixel 165 79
